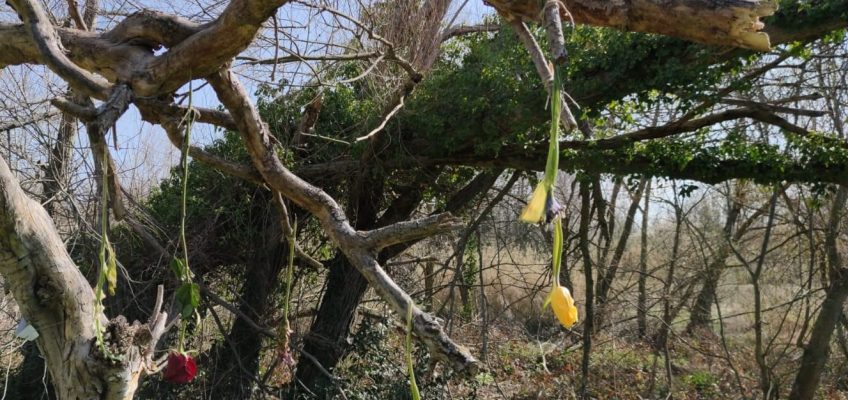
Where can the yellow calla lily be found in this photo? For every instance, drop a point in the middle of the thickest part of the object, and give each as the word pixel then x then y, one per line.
pixel 563 306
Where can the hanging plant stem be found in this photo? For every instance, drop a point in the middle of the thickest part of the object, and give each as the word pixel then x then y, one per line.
pixel 188 295
pixel 413 386
pixel 107 265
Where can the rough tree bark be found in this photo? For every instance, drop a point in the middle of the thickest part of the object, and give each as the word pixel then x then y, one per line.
pixel 346 286
pixel 720 22
pixel 194 51
pixel 327 337
pixel 57 300
pixel 202 49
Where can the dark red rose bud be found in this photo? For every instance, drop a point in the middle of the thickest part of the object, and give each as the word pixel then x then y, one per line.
pixel 181 368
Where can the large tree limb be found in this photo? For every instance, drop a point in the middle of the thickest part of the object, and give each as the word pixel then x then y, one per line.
pixel 153 28
pixel 124 53
pixel 683 126
pixel 47 41
pixel 701 167
pixel 204 52
pixel 408 231
pixel 48 287
pixel 720 22
pixel 359 251
pixel 460 30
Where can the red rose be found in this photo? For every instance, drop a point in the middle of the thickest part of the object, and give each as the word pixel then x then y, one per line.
pixel 181 368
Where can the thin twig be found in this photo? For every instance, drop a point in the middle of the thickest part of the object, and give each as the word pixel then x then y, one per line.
pixel 386 119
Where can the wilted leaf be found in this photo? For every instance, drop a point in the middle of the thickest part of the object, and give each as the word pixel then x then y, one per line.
pixel 188 298
pixel 111 268
pixel 178 266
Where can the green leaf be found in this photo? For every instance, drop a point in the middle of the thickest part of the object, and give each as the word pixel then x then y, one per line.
pixel 178 266
pixel 484 378
pixel 188 298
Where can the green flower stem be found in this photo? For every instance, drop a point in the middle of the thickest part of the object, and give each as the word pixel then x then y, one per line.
pixel 289 273
pixel 189 118
pixel 552 166
pixel 186 271
pixel 557 251
pixel 413 386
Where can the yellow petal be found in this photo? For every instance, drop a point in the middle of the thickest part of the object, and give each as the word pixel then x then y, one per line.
pixel 535 210
pixel 563 306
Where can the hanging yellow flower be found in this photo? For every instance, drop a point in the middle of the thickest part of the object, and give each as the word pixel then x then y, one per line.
pixel 563 306
pixel 535 210
pixel 543 207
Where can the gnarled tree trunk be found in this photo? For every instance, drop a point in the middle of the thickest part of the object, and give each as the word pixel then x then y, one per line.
pixel 326 339
pixel 57 300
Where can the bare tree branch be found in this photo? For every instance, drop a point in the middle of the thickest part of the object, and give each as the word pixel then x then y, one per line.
pixel 74 12
pixel 461 30
pixel 543 69
pixel 408 231
pixel 260 145
pixel 774 108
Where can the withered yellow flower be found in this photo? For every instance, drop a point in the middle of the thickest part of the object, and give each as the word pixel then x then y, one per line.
pixel 535 210
pixel 563 306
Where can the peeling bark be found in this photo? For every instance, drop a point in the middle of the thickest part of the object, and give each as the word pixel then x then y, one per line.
pixel 57 300
pixel 719 22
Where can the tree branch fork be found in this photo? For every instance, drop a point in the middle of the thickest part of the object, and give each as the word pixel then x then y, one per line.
pixel 142 78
